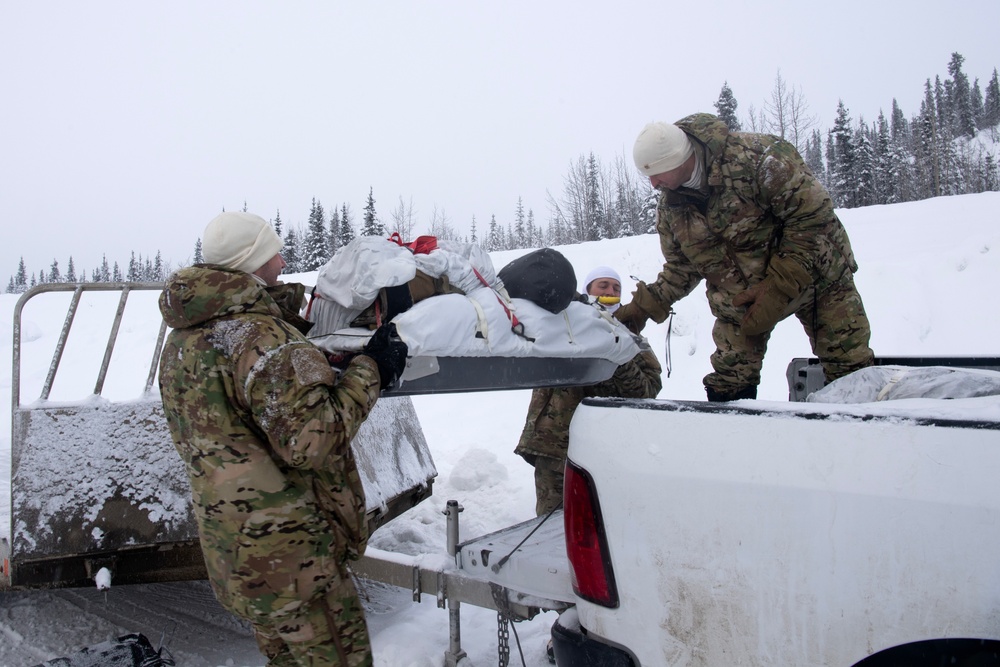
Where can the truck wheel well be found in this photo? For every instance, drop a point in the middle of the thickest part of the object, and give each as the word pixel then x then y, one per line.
pixel 936 652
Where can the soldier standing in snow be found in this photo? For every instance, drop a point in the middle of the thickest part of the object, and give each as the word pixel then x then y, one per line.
pixel 545 438
pixel 743 212
pixel 264 428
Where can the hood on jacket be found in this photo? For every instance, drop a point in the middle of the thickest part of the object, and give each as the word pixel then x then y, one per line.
pixel 199 293
pixel 708 130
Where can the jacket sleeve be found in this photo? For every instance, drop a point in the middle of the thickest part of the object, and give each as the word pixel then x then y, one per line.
pixel 803 207
pixel 640 377
pixel 308 415
pixel 678 277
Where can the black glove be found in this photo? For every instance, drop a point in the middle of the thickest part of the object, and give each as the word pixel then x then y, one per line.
pixel 386 350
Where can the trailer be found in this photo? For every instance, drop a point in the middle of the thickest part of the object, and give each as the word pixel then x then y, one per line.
pixel 97 488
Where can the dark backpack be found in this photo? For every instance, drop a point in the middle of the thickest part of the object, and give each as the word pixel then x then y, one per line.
pixel 544 277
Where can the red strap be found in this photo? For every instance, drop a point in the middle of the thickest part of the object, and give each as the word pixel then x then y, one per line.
pixel 422 246
pixel 515 324
pixel 312 297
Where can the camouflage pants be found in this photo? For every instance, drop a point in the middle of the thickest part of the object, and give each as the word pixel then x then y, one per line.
pixel 838 330
pixel 549 473
pixel 328 631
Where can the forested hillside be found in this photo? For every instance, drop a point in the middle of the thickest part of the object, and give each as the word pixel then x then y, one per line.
pixel 947 147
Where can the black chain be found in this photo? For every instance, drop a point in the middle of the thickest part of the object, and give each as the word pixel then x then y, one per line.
pixel 503 639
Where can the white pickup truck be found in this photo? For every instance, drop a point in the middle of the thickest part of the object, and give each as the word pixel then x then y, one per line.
pixel 765 533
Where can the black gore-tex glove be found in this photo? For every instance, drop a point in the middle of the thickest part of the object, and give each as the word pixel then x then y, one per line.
pixel 386 350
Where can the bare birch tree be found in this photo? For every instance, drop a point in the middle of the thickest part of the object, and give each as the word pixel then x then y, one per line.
pixel 403 219
pixel 786 114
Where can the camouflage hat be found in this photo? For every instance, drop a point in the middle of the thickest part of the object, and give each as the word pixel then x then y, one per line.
pixel 661 147
pixel 240 241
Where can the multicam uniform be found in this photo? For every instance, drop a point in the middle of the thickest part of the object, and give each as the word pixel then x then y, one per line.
pixel 545 438
pixel 264 428
pixel 761 205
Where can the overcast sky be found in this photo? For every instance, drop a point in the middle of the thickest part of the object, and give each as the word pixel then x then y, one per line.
pixel 126 126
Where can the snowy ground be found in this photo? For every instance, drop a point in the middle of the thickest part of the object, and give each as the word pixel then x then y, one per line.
pixel 927 273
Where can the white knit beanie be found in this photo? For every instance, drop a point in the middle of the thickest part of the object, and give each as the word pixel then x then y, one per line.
pixel 661 147
pixel 600 272
pixel 241 241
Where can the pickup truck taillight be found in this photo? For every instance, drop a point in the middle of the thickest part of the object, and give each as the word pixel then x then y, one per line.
pixel 586 543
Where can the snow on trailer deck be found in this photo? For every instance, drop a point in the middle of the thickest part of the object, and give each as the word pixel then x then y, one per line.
pixel 97 481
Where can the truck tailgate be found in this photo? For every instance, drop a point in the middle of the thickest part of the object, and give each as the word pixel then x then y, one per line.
pixel 529 557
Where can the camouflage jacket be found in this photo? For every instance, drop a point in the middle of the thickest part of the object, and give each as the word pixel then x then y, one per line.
pixel 264 428
pixel 546 428
pixel 762 201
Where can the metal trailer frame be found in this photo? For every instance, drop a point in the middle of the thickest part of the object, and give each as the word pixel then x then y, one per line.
pixel 529 572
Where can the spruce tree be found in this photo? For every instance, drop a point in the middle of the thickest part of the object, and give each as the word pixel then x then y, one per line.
pixel 494 240
pixel 864 166
pixel 991 105
pixel 198 257
pixel 978 105
pixel 372 225
pixel 54 275
pixel 991 173
pixel 595 215
pixel 70 271
pixel 885 186
pixel 927 163
pixel 472 232
pixel 346 225
pixel 158 271
pixel 843 181
pixel 941 106
pixel 290 252
pixel 899 129
pixel 725 107
pixel 315 250
pixel 134 273
pixel 277 224
pixel 21 277
pixel 520 239
pixel 814 156
pixel 964 122
pixel 534 234
pixel 334 237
